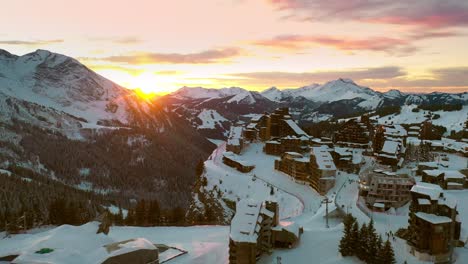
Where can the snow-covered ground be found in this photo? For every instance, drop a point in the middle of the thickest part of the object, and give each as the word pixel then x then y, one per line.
pixel 209 244
pixel 210 118
pixel 293 197
pixel 81 244
pixel 452 120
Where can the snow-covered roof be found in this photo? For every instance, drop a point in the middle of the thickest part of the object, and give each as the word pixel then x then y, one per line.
pixel 295 127
pixel 292 227
pixel 390 147
pixel 235 135
pixel 448 174
pixel 294 154
pixel 245 224
pixel 323 158
pixel 379 205
pixel 343 151
pixel 395 131
pixel 423 201
pixel 432 218
pixel 431 190
pixel 237 158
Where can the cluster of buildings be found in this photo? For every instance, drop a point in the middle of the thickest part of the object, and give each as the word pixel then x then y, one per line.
pixel 256 230
pixel 316 169
pixel 356 132
pixel 434 225
pixel 306 159
pixel 439 173
pixel 382 190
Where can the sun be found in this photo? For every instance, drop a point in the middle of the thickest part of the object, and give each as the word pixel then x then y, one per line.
pixel 149 84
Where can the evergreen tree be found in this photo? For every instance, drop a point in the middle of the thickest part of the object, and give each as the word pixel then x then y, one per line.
pixel 363 238
pixel 140 213
pixel 372 244
pixel 154 213
pixel 386 254
pixel 345 246
pixel 200 168
pixel 354 238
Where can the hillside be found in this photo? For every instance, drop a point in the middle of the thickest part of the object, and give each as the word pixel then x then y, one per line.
pixel 63 121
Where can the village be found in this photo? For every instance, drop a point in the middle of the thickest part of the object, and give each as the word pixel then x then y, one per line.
pixel 391 168
pixel 287 197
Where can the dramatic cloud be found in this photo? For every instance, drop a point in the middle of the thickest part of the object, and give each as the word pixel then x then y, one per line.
pixel 299 42
pixel 425 13
pixel 323 76
pixel 112 67
pixel 204 57
pixel 31 43
pixel 402 45
pixel 453 77
pixel 305 78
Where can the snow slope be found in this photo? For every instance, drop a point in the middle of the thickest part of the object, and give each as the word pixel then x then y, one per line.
pixel 200 92
pixel 210 118
pixel 63 83
pixel 452 120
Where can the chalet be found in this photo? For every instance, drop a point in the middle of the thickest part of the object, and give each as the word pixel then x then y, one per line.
pixel 323 169
pixel 414 131
pixel 233 160
pixel 287 144
pixel 391 153
pixel 235 141
pixel 354 133
pixel 433 218
pixel 256 229
pixel 383 190
pixel 295 165
pixel 428 131
pixel 385 133
pixel 447 179
pixel 348 159
pixel 282 125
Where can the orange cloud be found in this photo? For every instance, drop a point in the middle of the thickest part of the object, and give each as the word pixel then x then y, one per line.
pixel 204 57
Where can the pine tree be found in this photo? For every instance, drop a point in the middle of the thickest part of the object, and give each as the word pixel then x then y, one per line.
pixel 372 244
pixel 386 254
pixel 345 246
pixel 140 213
pixel 154 213
pixel 200 168
pixel 354 238
pixel 362 243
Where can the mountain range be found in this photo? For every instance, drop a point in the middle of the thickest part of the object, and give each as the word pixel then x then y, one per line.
pixel 339 98
pixel 63 122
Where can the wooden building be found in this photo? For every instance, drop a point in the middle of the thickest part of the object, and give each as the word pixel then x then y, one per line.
pixel 255 230
pixel 383 190
pixel 323 169
pixel 447 179
pixel 233 160
pixel 354 132
pixel 235 141
pixel 295 165
pixel 433 218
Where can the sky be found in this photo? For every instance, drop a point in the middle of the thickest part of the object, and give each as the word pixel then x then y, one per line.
pixel 160 46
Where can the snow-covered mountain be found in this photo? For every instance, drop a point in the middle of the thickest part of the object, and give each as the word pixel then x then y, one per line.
pixel 63 83
pixel 335 90
pixel 58 118
pixel 313 103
